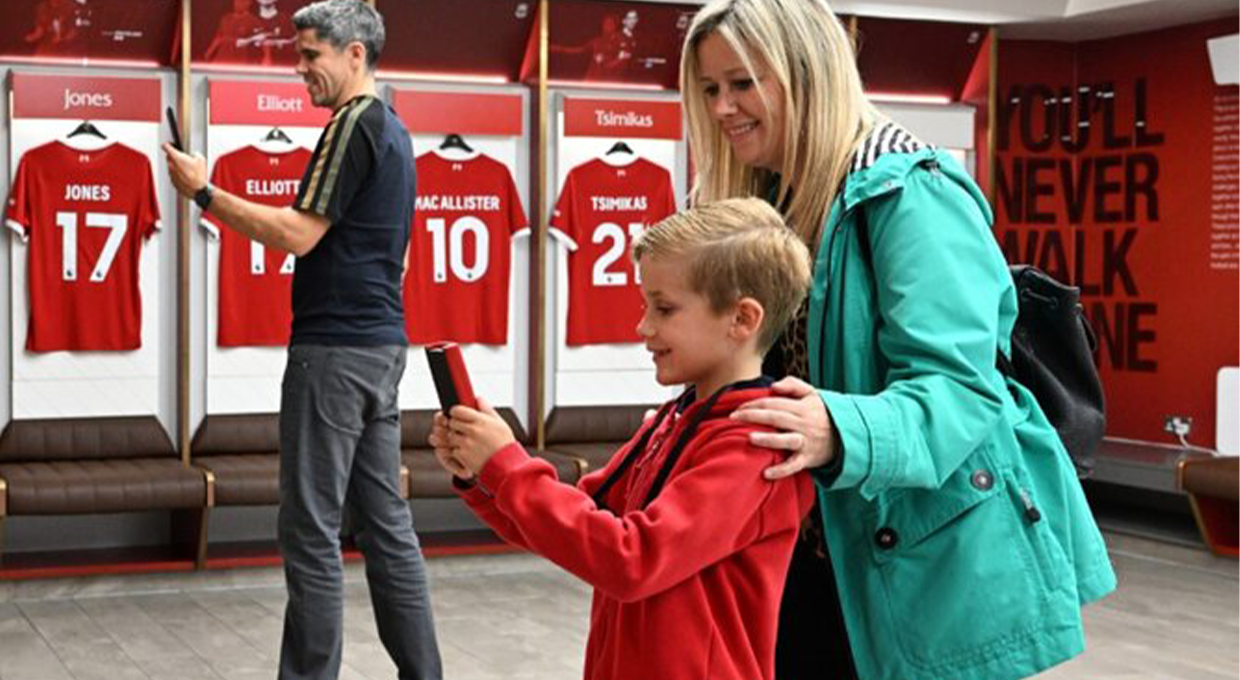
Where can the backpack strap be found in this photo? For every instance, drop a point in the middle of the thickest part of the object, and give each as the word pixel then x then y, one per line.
pixel 1002 362
pixel 682 442
pixel 634 454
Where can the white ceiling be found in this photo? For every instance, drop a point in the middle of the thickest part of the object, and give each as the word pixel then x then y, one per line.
pixel 1071 20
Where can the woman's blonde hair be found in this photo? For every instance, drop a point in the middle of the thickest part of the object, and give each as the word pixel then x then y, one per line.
pixel 826 113
pixel 733 249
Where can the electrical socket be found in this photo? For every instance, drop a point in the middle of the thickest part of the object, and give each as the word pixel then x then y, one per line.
pixel 1179 426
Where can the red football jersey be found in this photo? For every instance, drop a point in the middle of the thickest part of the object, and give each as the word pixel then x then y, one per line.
pixel 86 214
pixel 256 282
pixel 601 210
pixel 456 284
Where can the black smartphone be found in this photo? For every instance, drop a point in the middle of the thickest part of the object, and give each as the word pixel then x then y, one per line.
pixel 451 379
pixel 176 129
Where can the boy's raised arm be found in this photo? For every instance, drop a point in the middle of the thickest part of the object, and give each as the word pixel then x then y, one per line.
pixel 712 509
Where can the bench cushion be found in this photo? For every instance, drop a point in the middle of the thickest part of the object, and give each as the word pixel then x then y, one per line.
pixel 588 424
pixel 1212 477
pixel 244 479
pixel 594 455
pixel 415 427
pixel 237 433
pixel 101 486
pixel 593 433
pixel 44 440
pixel 427 479
pixel 260 432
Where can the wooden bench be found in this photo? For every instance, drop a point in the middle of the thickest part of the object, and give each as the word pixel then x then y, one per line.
pixel 241 452
pixel 592 433
pixel 100 466
pixel 427 479
pixel 1213 488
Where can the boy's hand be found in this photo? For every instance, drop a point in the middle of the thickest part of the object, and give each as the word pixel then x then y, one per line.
pixel 475 436
pixel 443 453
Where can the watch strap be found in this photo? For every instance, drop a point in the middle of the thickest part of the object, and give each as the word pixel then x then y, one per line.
pixel 204 196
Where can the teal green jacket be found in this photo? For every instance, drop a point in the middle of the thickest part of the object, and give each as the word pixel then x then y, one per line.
pixel 962 543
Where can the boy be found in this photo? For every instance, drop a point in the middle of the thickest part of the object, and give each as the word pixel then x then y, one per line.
pixel 685 543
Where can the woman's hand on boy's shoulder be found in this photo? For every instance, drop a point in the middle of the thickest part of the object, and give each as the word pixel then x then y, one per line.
pixel 476 435
pixel 804 428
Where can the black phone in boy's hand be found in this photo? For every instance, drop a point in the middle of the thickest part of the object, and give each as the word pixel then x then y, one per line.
pixel 451 379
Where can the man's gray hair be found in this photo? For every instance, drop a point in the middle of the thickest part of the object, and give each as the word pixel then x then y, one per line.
pixel 341 22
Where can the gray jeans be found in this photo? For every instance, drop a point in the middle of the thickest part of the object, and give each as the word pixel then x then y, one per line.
pixel 340 446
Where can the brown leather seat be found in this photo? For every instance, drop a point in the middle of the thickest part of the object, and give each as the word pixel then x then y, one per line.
pixel 101 486
pixel 244 478
pixel 1213 488
pixel 242 452
pixel 94 465
pixel 593 455
pixel 427 479
pixel 1212 477
pixel 593 433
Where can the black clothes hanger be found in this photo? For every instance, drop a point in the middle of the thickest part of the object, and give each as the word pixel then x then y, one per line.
pixel 454 141
pixel 619 147
pixel 277 135
pixel 87 128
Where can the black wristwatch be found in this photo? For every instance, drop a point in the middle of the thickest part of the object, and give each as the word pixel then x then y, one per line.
pixel 204 195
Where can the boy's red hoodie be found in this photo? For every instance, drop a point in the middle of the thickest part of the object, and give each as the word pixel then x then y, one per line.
pixel 686 588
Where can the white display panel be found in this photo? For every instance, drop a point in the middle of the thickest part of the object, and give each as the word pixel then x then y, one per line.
pixel 92 384
pixel 247 379
pixel 947 126
pixel 496 371
pixel 602 374
pixel 239 379
pixel 499 373
pixel 1227 416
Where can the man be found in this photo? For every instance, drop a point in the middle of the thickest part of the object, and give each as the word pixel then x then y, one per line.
pixel 339 416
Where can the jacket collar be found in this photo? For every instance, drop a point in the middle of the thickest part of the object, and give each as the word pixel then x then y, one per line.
pixel 885 160
pixel 733 396
pixel 881 163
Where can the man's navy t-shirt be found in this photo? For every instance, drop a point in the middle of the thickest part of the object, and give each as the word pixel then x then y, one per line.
pixel 346 291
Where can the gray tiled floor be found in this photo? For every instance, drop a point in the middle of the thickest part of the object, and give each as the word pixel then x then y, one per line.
pixel 515 617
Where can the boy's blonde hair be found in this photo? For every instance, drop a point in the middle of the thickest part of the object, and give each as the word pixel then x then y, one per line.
pixel 807 50
pixel 733 249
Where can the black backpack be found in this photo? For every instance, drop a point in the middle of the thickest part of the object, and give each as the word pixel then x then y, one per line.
pixel 1052 355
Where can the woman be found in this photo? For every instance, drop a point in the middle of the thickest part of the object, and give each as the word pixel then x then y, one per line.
pixel 952 538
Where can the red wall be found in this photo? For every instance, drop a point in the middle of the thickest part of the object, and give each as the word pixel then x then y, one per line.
pixel 1132 198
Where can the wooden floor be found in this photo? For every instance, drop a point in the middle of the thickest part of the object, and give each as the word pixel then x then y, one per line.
pixel 516 617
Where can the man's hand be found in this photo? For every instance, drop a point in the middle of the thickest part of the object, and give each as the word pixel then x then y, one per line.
pixel 805 428
pixel 443 453
pixel 188 173
pixel 475 436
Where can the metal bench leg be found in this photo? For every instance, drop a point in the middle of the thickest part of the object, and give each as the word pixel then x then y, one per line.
pixel 189 526
pixel 4 513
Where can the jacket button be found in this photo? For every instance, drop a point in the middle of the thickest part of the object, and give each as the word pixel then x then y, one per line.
pixel 886 538
pixel 983 480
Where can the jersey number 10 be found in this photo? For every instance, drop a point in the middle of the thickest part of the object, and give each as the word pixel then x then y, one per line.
pixel 448 248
